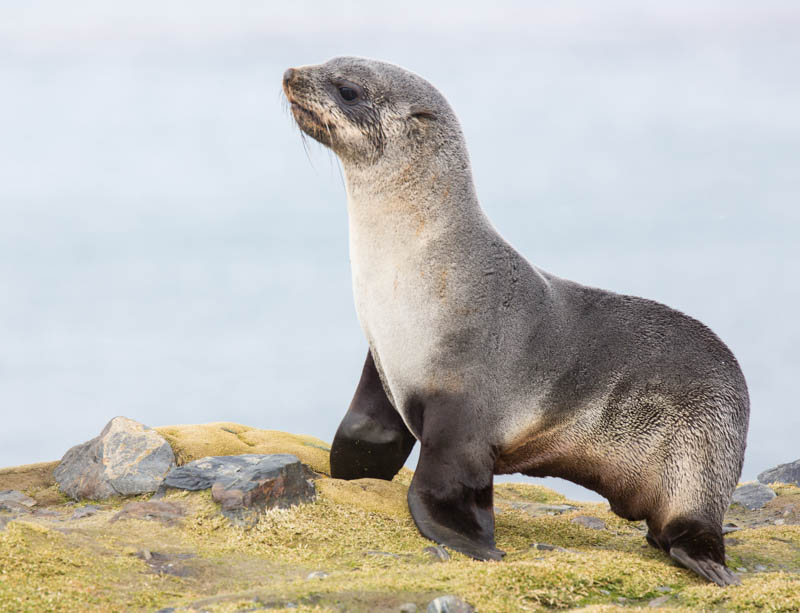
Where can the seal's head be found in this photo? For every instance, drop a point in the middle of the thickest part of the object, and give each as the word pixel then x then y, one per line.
pixel 366 110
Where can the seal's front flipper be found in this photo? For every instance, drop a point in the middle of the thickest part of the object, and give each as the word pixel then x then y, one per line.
pixel 450 497
pixel 372 440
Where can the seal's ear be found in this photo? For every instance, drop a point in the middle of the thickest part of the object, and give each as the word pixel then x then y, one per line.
pixel 421 112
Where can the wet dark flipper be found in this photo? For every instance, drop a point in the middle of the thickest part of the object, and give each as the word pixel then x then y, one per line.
pixel 372 440
pixel 450 497
pixel 697 544
pixel 705 567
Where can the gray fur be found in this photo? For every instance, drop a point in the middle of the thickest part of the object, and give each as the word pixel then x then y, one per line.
pixel 621 394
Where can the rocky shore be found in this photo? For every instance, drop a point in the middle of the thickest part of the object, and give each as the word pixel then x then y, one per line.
pixel 222 517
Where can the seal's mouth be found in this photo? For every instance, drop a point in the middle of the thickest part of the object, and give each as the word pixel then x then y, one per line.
pixel 311 123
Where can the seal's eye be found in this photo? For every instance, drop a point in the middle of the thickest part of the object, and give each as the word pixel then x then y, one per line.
pixel 348 93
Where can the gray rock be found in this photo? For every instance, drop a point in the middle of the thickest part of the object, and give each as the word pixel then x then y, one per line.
pixel 246 485
pixel 437 553
pixel 127 458
pixel 408 607
pixel 595 523
pixel 760 568
pixel 657 602
pixel 15 502
pixel 449 604
pixel 782 473
pixel 752 495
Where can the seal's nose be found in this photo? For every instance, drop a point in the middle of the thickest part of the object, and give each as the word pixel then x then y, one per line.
pixel 287 76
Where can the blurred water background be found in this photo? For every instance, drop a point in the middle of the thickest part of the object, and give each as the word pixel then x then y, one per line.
pixel 169 253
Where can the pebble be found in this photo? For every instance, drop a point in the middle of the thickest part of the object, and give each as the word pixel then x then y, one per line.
pixel 760 568
pixel 449 604
pixel 437 553
pixel 408 607
pixel 317 574
pixel 537 509
pixel 167 513
pixel 595 523
pixel 15 502
pixel 548 547
pixel 86 511
pixel 657 602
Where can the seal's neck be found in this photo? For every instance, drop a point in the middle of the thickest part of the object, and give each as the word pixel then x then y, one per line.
pixel 407 203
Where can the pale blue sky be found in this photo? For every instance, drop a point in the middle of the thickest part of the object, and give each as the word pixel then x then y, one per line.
pixel 167 251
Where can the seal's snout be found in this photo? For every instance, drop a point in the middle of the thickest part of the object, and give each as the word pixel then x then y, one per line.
pixel 288 76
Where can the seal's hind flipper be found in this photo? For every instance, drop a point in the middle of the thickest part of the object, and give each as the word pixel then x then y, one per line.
pixel 705 567
pixel 372 440
pixel 697 544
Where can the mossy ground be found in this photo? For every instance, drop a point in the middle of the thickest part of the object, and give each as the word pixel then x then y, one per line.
pixel 361 534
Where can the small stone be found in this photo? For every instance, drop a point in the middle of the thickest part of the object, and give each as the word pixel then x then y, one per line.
pixel 46 513
pixel 779 522
pixel 168 513
pixel 408 607
pixel 730 527
pixel 657 602
pixel 595 523
pixel 663 588
pixel 760 568
pixel 317 574
pixel 383 554
pixel 5 520
pixel 15 502
pixel 783 473
pixel 127 458
pixel 536 509
pixel 167 563
pixel 752 495
pixel 449 604
pixel 741 569
pixel 547 547
pixel 86 511
pixel 606 592
pixel 622 599
pixel 437 553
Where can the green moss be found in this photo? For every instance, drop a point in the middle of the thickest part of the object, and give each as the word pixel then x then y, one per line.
pixel 360 533
pixel 192 442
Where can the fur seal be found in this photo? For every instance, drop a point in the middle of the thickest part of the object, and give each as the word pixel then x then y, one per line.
pixel 497 366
